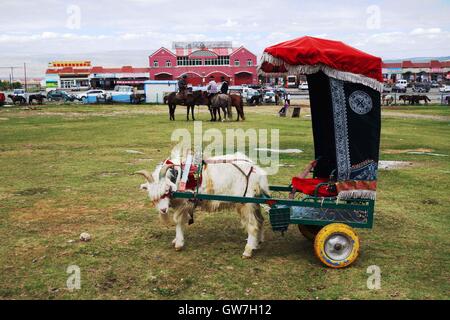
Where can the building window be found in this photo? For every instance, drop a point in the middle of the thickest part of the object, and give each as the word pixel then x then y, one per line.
pixel 155 63
pixel 185 61
pixel 249 62
pixel 237 63
pixel 168 63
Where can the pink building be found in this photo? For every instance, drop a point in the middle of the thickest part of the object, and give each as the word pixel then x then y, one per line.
pixel 201 61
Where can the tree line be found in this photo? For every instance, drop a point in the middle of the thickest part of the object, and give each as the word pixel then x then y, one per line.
pixel 6 85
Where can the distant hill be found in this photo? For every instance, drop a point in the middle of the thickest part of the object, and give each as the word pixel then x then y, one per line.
pixel 418 59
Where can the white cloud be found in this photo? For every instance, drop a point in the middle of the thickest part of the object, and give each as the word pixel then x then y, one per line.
pixel 420 31
pixel 407 27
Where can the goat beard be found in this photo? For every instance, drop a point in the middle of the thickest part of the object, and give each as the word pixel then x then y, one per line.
pixel 164 218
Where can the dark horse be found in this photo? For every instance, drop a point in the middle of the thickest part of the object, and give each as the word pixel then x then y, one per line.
pixel 17 99
pixel 196 98
pixel 414 99
pixel 38 97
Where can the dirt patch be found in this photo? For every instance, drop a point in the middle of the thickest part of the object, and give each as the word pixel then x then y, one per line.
pixel 32 191
pixel 393 165
pixel 415 116
pixel 400 151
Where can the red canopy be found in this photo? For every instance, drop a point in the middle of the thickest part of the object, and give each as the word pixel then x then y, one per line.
pixel 309 55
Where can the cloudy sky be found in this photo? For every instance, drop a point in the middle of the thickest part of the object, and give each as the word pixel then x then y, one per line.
pixel 126 31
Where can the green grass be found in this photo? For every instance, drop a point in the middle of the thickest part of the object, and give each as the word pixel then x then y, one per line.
pixel 431 109
pixel 64 170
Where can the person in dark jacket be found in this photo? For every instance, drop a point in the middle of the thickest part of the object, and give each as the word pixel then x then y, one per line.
pixel 224 87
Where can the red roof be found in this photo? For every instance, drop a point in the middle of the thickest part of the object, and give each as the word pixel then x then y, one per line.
pixel 392 65
pixel 435 64
pixel 97 69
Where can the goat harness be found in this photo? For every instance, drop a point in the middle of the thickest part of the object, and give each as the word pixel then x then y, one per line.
pixel 196 175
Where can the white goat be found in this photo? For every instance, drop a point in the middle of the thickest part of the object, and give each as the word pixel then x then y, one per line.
pixel 234 175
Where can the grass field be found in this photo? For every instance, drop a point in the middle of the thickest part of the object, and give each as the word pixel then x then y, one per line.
pixel 65 170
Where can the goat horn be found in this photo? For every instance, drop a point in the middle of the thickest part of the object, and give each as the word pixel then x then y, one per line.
pixel 146 174
pixel 163 171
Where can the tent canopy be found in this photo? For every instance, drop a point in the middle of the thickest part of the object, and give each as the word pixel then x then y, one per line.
pixel 344 91
pixel 307 55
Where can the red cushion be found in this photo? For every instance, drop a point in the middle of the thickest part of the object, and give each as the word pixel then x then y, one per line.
pixel 308 186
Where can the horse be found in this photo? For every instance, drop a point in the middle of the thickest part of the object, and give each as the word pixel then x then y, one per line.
pixel 405 98
pixel 388 99
pixel 422 97
pixel 19 99
pixel 238 102
pixel 190 101
pixel 414 99
pixel 38 97
pixel 221 101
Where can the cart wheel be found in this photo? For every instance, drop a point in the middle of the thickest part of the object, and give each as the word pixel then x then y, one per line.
pixel 336 245
pixel 309 231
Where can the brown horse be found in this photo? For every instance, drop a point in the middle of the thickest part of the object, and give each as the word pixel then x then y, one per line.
pixel 190 101
pixel 238 103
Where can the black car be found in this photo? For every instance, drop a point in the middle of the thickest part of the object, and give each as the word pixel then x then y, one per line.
pixel 421 87
pixel 60 95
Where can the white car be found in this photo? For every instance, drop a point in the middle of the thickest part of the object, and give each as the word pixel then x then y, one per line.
pixel 89 92
pixel 445 88
pixel 303 86
pixel 269 97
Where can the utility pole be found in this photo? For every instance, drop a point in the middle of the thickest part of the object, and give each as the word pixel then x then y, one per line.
pixel 11 75
pixel 25 74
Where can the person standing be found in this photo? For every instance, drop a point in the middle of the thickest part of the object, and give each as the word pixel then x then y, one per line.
pixel 288 98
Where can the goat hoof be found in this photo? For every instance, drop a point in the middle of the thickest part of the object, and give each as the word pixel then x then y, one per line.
pixel 178 248
pixel 244 256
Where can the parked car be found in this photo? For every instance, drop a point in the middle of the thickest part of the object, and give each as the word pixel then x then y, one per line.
pixel 2 98
pixel 387 88
pixel 269 97
pixel 400 86
pixel 303 86
pixel 93 91
pixel 60 95
pixel 445 88
pixel 251 96
pixel 421 87
pixel 434 84
pixel 281 92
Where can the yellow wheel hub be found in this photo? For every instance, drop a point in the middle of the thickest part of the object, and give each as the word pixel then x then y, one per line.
pixel 336 245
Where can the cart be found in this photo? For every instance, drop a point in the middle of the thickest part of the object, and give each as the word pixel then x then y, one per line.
pixel 344 87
